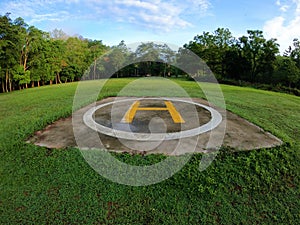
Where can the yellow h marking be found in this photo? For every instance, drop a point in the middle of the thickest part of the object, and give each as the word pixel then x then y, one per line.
pixel 130 114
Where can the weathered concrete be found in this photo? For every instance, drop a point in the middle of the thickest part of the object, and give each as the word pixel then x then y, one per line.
pixel 239 133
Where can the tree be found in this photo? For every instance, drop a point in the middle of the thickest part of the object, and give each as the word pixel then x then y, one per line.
pixel 75 55
pixel 56 60
pixel 268 60
pixel 30 45
pixel 58 34
pixel 236 65
pixel 9 42
pixel 29 55
pixel 203 46
pixel 38 56
pixel 40 63
pixel 223 41
pixel 96 49
pixel 20 76
pixel 295 53
pixel 168 56
pixel 258 51
pixel 212 48
pixel 113 61
pixel 188 62
pixel 154 58
pixel 24 47
pixel 286 71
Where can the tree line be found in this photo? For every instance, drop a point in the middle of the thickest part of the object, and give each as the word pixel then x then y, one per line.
pixel 250 58
pixel 30 57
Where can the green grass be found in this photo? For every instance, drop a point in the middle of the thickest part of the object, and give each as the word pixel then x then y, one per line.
pixel 45 186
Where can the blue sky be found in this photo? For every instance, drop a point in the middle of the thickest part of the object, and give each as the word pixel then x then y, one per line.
pixel 171 21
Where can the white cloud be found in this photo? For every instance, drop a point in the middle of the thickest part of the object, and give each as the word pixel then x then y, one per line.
pixel 60 16
pixel 285 27
pixel 159 15
pixel 36 10
pixel 204 5
pixel 283 5
pixel 139 4
pixel 284 8
pixel 297 3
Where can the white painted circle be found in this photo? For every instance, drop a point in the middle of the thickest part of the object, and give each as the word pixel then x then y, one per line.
pixel 216 119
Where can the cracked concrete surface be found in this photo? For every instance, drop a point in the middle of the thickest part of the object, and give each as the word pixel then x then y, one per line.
pixel 239 134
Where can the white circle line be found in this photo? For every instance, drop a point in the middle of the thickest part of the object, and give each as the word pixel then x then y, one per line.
pixel 216 119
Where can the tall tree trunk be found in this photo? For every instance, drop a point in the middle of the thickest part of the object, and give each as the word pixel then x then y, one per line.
pixel 223 69
pixel 38 83
pixel 51 82
pixel 32 84
pixel 10 84
pixel 3 87
pixel 6 80
pixel 58 78
pixel 95 65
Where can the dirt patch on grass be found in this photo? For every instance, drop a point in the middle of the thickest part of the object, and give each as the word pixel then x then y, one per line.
pixel 239 133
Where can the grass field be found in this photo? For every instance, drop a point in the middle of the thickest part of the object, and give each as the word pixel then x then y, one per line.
pixel 44 186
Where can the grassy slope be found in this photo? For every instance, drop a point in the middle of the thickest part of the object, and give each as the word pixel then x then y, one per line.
pixel 43 186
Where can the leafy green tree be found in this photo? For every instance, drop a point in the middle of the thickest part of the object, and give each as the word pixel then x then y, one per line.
pixel 56 60
pixel 258 51
pixel 38 55
pixel 168 56
pixel 95 50
pixel 30 45
pixel 40 63
pixel 212 48
pixel 286 71
pixel 146 54
pixel 154 58
pixel 185 60
pixel 20 76
pixel 76 52
pixel 295 53
pixel 116 59
pixel 9 51
pixel 236 65
pixel 58 34
pixel 24 45
pixel 203 46
pixel 267 61
pixel 191 65
pixel 223 40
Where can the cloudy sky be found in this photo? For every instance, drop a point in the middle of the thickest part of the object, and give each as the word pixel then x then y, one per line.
pixel 172 21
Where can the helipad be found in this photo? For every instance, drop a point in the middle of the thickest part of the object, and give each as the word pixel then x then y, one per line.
pixel 171 119
pixel 154 125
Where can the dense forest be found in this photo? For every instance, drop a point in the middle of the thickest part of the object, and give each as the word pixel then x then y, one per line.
pixel 30 57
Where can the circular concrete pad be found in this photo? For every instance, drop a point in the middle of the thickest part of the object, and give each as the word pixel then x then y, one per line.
pixel 109 120
pixel 239 134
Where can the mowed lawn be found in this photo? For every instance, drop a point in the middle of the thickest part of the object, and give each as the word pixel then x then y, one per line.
pixel 44 186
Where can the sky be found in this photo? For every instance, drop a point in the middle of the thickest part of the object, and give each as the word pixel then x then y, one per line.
pixel 170 21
